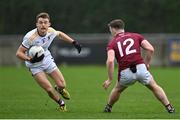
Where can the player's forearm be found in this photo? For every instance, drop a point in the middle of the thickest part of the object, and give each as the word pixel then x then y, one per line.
pixel 148 57
pixel 65 37
pixel 110 67
pixel 22 56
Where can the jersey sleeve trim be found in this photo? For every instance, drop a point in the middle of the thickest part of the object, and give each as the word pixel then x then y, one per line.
pixel 24 46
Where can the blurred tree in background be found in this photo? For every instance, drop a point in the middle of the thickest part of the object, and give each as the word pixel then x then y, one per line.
pixel 91 16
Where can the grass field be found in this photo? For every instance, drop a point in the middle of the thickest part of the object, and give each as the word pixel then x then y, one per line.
pixel 21 97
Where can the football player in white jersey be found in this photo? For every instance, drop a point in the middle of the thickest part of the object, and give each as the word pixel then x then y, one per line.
pixel 39 66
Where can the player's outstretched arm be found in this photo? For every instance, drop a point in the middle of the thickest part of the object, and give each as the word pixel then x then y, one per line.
pixel 110 68
pixel 66 38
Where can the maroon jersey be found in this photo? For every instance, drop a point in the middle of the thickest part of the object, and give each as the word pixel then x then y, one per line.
pixel 127 47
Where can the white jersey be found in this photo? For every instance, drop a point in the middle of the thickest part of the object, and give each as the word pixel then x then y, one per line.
pixel 32 38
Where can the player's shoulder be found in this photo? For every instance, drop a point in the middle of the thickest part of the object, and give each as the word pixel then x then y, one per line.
pixel 50 29
pixel 136 35
pixel 31 34
pixel 111 42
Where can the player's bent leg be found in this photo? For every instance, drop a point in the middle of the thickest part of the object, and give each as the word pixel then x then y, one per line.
pixel 160 95
pixel 114 96
pixel 57 76
pixel 60 84
pixel 42 80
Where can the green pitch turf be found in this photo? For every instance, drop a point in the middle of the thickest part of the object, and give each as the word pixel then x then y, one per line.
pixel 22 98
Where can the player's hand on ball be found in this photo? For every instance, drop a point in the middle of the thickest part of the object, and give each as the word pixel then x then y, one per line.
pixel 106 84
pixel 36 58
pixel 77 46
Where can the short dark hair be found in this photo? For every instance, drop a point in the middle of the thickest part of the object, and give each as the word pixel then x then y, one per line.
pixel 117 24
pixel 43 15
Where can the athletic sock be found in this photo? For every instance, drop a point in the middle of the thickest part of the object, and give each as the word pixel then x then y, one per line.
pixel 170 108
pixel 60 102
pixel 109 105
pixel 108 108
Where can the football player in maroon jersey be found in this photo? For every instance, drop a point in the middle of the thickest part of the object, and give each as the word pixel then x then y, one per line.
pixel 125 47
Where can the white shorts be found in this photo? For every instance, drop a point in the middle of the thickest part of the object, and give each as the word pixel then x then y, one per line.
pixel 48 65
pixel 127 77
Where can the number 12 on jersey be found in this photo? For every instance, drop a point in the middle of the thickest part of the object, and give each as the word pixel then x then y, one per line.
pixel 127 48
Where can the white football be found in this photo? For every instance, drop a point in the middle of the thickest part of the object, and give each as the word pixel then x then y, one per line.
pixel 35 49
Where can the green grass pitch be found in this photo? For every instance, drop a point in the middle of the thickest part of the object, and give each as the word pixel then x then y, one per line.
pixel 22 98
